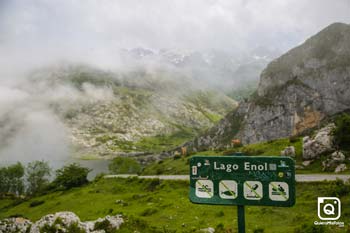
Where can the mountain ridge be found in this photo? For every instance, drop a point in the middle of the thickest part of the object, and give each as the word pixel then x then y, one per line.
pixel 296 92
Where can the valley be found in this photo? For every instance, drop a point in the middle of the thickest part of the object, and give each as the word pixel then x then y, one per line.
pixel 99 140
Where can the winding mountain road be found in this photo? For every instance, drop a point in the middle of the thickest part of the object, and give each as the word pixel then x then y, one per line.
pixel 298 177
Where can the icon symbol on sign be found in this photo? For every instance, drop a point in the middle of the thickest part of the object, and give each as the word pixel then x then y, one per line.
pixel 204 188
pixel 228 189
pixel 252 190
pixel 278 191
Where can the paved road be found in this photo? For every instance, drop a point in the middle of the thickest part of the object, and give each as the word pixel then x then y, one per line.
pixel 298 177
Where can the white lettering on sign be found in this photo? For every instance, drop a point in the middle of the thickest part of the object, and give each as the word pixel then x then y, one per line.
pixel 255 167
pixel 247 167
pixel 226 167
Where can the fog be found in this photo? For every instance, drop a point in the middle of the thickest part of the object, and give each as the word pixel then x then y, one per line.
pixel 35 34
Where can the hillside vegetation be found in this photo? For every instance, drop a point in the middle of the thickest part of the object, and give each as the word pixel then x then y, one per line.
pixel 163 206
pixel 108 113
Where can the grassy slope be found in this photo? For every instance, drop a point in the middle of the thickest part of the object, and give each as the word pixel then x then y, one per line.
pixel 272 148
pixel 165 205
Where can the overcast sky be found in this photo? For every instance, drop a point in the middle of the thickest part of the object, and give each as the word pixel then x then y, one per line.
pixel 34 31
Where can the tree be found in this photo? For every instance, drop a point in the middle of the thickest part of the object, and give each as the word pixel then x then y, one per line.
pixel 342 131
pixel 38 173
pixel 124 165
pixel 11 179
pixel 70 176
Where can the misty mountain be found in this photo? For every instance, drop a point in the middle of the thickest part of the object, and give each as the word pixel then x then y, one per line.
pixel 297 91
pixel 90 112
pixel 227 71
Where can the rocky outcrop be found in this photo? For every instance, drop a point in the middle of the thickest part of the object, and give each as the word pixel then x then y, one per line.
pixel 11 225
pixel 322 143
pixel 296 92
pixel 334 162
pixel 60 222
pixel 340 168
pixel 288 151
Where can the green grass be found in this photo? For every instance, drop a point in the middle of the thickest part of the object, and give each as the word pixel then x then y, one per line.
pixel 172 166
pixel 164 206
pixel 164 142
pixel 272 148
pixel 180 166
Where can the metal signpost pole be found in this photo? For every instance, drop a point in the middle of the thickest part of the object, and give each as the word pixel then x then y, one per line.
pixel 240 212
pixel 241 219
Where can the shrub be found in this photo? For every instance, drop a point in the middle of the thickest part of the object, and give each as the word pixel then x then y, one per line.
pixel 310 228
pixel 259 230
pixel 59 226
pixel 74 228
pixel 153 185
pixel 36 203
pixel 38 173
pixel 70 176
pixel 148 212
pixel 133 224
pixel 220 228
pixel 293 139
pixel 104 225
pixel 124 165
pixel 338 188
pixel 220 214
pixel 11 179
pixel 341 132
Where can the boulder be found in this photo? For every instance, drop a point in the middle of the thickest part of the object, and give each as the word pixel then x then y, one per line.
pixel 307 163
pixel 340 168
pixel 338 156
pixel 288 151
pixel 12 225
pixel 313 148
pixel 60 222
pixel 207 230
pixel 333 161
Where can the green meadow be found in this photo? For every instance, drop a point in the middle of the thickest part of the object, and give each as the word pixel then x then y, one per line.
pixel 180 164
pixel 163 206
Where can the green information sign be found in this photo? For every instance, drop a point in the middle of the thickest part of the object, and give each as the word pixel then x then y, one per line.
pixel 242 180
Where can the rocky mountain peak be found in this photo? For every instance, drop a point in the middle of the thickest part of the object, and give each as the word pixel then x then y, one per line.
pixel 297 91
pixel 327 49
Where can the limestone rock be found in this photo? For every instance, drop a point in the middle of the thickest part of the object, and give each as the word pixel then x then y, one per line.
pixel 208 230
pixel 333 161
pixel 65 218
pixel 338 156
pixel 296 92
pixel 340 168
pixel 288 151
pixel 12 225
pixel 307 163
pixel 320 144
pixel 60 221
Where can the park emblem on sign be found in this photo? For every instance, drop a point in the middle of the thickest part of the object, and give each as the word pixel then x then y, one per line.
pixel 242 180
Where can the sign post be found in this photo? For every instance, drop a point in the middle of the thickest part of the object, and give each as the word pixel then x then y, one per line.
pixel 242 180
pixel 240 212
